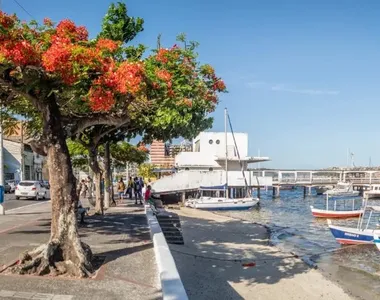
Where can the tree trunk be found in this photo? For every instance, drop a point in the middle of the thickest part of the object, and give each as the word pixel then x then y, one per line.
pixel 64 253
pixel 107 175
pixel 94 165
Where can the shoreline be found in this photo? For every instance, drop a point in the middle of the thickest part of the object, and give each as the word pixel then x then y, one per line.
pixel 345 277
pixel 217 247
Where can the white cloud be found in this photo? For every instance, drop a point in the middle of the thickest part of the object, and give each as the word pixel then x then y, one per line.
pixel 290 89
pixel 284 88
pixel 256 84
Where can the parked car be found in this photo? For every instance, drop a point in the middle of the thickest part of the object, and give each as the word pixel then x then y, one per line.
pixel 45 184
pixel 7 188
pixel 31 189
pixel 12 184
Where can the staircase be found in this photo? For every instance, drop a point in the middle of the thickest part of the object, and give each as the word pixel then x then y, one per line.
pixel 171 228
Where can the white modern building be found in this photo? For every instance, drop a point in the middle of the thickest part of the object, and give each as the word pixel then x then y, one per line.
pixel 32 162
pixel 209 153
pixel 205 165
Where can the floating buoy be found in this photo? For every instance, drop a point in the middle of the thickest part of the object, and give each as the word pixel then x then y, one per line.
pixel 251 264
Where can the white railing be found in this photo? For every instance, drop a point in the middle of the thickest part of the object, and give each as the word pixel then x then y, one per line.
pixel 325 180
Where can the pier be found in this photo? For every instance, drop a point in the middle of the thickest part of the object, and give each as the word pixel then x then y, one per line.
pixel 361 179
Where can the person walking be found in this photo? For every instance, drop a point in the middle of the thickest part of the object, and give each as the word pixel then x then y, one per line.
pixel 148 193
pixel 137 189
pixel 121 188
pixel 130 187
pixel 82 189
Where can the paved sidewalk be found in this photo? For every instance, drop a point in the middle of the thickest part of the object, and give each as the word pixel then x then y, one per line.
pixel 121 238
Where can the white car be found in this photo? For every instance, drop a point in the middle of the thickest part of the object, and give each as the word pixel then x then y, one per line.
pixel 31 189
pixel 12 184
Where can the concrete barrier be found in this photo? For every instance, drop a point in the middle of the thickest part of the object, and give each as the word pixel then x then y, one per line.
pixel 171 284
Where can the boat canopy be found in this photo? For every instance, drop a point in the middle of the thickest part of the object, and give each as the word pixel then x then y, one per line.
pixel 214 188
pixel 374 208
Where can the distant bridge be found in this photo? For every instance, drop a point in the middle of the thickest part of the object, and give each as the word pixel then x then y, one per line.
pixel 361 180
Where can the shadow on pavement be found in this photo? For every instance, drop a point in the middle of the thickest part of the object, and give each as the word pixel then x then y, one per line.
pixel 206 261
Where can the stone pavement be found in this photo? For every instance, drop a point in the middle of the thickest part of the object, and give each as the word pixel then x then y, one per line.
pixel 120 239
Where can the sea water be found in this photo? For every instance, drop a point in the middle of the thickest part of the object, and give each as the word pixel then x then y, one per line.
pixel 294 229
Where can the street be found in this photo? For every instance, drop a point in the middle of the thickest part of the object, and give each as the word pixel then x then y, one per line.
pixel 10 201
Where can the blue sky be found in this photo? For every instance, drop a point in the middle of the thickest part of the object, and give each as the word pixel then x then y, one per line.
pixel 303 76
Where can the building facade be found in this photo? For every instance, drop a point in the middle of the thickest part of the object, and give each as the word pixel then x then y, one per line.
pixel 161 154
pixel 209 153
pixel 12 161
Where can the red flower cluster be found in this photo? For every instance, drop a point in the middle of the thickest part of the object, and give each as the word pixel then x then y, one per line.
pixel 188 102
pixel 20 52
pixel 143 148
pixel 164 75
pixel 68 29
pixel 101 99
pixel 6 21
pixel 219 85
pixel 106 44
pixel 48 22
pixel 129 76
pixel 162 55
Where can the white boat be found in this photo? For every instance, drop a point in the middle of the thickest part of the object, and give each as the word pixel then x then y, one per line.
pixel 218 197
pixel 342 189
pixel 361 234
pixel 322 189
pixel 337 212
pixel 218 201
pixel 374 191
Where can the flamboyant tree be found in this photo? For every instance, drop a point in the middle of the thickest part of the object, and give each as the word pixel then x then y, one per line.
pixel 64 83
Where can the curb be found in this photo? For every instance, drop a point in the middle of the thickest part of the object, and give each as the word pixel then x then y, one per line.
pixel 171 283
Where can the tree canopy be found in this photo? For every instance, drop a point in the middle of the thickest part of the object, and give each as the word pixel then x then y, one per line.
pixel 66 85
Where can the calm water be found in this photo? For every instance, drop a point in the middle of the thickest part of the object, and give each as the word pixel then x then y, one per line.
pixel 294 229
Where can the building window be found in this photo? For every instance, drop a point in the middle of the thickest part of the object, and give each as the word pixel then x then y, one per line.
pixel 187 169
pixel 27 173
pixel 217 142
pixel 211 169
pixel 210 142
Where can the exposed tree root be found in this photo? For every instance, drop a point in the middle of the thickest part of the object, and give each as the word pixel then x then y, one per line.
pixel 55 259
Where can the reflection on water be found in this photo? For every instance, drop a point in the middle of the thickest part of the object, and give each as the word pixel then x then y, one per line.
pixel 294 229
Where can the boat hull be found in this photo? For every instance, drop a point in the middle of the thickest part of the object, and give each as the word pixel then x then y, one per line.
pixel 321 213
pixel 223 204
pixel 377 240
pixel 352 236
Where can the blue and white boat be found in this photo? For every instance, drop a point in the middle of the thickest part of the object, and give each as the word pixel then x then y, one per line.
pixel 213 198
pixel 376 239
pixel 356 235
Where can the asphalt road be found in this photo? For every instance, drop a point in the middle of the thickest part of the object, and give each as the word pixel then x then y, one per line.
pixel 10 201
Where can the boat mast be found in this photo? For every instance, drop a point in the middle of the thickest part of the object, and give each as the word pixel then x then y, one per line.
pixel 226 162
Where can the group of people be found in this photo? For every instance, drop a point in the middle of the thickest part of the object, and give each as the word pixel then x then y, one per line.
pixel 134 186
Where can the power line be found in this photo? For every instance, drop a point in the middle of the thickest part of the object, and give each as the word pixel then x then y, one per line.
pixel 23 8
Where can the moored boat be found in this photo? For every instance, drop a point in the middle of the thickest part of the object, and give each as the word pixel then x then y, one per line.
pixel 374 191
pixel 345 189
pixel 356 235
pixel 218 197
pixel 351 236
pixel 322 213
pixel 335 213
pixel 320 190
pixel 376 239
